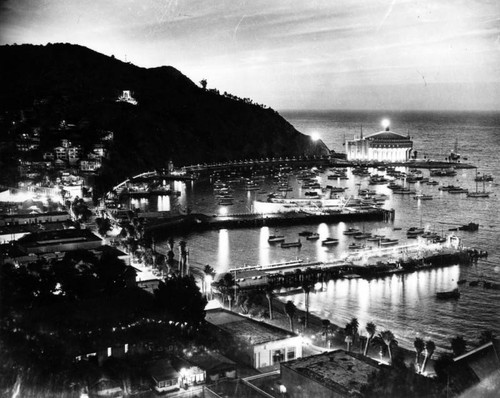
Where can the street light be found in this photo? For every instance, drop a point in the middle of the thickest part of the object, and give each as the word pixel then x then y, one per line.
pixel 315 136
pixel 208 282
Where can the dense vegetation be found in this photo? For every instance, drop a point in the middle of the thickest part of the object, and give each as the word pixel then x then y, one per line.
pixel 52 312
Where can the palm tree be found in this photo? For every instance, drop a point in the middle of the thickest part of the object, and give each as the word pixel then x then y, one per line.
pixel 389 340
pixel 327 328
pixel 429 350
pixel 458 345
pixel 348 335
pixel 306 288
pixel 419 346
pixel 354 327
pixel 371 328
pixel 269 289
pixel 290 310
pixel 209 273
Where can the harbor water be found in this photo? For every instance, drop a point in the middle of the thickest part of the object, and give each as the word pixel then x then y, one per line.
pixel 405 304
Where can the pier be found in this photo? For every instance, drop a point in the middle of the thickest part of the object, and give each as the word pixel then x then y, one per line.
pixel 200 222
pixel 294 274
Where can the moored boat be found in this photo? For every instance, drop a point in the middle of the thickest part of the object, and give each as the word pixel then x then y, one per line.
pixel 451 294
pixel 286 245
pixel 388 242
pixel 276 238
pixel 329 242
pixel 313 236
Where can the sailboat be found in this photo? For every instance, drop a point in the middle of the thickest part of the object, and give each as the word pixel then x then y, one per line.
pixel 478 194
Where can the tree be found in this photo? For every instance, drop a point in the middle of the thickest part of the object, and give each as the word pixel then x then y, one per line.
pixel 458 345
pixel 290 311
pixel 429 350
pixel 419 346
pixel 203 83
pixel 209 275
pixel 269 289
pixel 371 328
pixel 306 288
pixel 327 328
pixel 354 328
pixel 348 335
pixel 389 340
pixel 182 300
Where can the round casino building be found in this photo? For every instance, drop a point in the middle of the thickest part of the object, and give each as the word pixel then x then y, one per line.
pixel 384 146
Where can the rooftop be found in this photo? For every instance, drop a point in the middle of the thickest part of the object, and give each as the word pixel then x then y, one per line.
pixel 246 329
pixel 57 237
pixel 387 135
pixel 341 371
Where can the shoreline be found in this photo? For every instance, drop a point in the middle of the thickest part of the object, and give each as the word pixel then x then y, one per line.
pixel 336 340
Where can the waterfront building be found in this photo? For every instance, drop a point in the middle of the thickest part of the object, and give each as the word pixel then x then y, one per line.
pixel 384 146
pixel 59 241
pixel 257 344
pixel 331 374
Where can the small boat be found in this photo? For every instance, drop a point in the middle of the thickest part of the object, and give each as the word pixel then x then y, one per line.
pixel 276 238
pixel 478 195
pixel 352 231
pixel 388 242
pixel 305 233
pixel 286 245
pixel 414 231
pixel 225 201
pixel 458 191
pixel 397 229
pixel 484 177
pixel 439 239
pixel 337 189
pixel 329 242
pixel 461 281
pixel 375 238
pixel 451 294
pixel 313 236
pixel 403 191
pixel 432 182
pixel 355 246
pixel 469 227
pixel 449 188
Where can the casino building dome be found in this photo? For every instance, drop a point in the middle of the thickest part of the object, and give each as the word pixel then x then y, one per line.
pixel 384 146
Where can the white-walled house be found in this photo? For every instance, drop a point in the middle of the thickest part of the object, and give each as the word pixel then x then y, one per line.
pixel 255 343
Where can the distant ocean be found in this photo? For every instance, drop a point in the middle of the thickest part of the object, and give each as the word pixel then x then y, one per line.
pixel 405 304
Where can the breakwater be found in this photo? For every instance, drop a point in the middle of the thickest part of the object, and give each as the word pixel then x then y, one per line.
pixel 200 222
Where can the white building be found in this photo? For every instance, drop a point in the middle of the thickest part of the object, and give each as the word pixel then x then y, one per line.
pixel 384 146
pixel 257 343
pixel 127 97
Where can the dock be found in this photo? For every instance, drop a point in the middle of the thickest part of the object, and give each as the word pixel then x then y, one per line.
pixel 200 222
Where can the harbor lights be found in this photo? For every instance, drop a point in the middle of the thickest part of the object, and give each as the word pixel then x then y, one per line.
pixel 385 124
pixel 315 136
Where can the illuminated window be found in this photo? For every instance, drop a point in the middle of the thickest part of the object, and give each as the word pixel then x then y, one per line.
pixel 290 354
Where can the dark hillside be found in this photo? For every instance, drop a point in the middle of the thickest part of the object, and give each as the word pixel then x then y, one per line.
pixel 174 119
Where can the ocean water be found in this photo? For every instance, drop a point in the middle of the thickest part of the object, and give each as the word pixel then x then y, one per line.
pixel 405 304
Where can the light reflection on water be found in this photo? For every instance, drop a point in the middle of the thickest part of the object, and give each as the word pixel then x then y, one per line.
pixel 405 304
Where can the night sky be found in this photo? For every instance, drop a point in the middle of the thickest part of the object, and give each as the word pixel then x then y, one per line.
pixel 289 54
